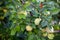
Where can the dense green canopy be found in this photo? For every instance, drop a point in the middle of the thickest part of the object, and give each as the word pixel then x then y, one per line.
pixel 29 19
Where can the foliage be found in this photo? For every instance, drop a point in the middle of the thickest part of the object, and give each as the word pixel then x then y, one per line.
pixel 28 19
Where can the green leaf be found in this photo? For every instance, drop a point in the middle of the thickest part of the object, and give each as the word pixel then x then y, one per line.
pixel 33 0
pixel 17 28
pixel 44 23
pixel 29 8
pixel 40 0
pixel 35 13
pixel 21 16
pixel 22 27
pixel 37 37
pixel 55 11
pixel 13 31
pixel 31 37
pixel 43 38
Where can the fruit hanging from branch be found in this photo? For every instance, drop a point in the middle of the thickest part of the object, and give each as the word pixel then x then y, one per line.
pixel 41 5
pixel 37 21
pixel 28 28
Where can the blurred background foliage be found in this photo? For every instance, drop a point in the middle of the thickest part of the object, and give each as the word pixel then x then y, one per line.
pixel 29 19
